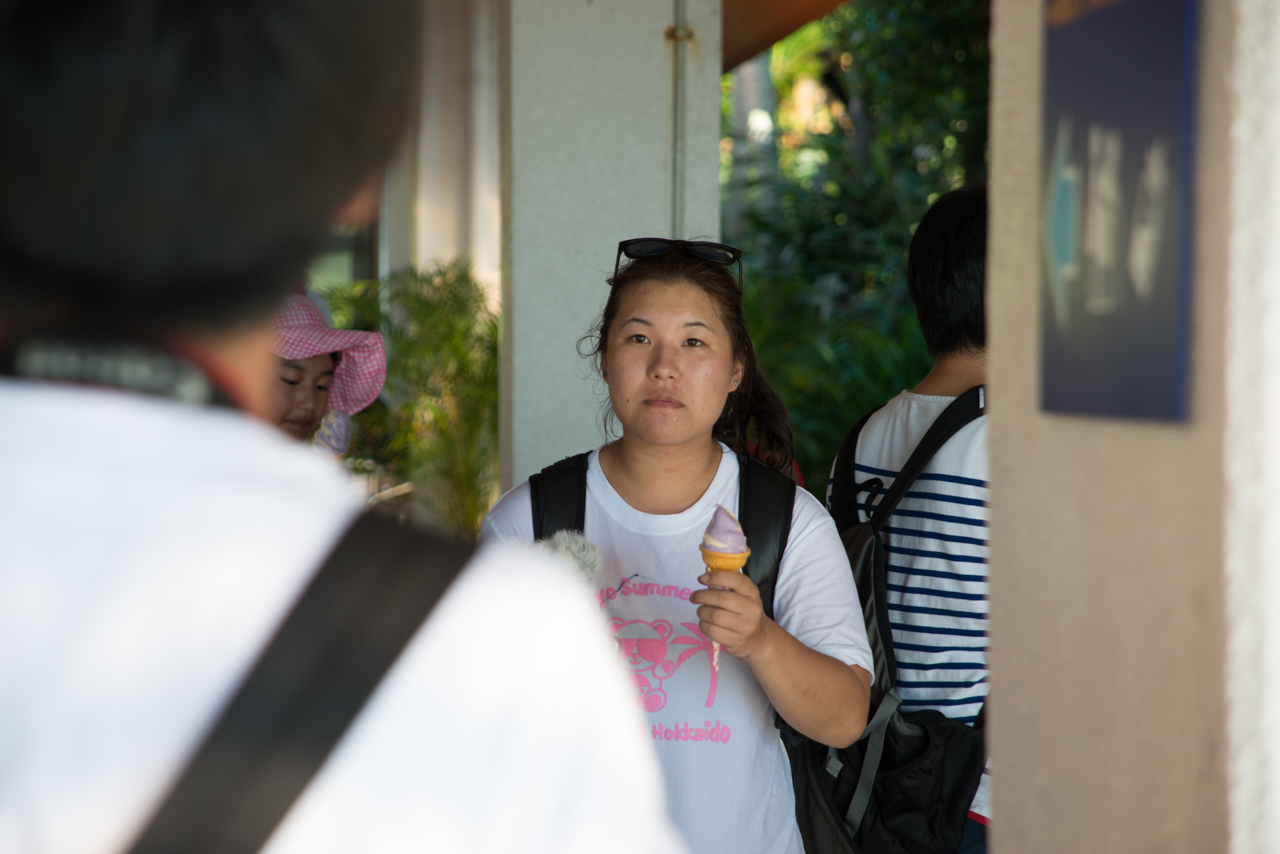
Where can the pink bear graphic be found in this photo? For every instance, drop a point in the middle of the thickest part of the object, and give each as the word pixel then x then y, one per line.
pixel 647 654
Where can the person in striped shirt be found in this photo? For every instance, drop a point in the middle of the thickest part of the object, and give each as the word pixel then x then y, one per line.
pixel 936 540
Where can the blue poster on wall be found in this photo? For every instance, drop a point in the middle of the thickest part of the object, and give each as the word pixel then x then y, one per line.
pixel 1116 229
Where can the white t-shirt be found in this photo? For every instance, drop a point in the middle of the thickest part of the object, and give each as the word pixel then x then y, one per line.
pixel 936 548
pixel 148 550
pixel 728 778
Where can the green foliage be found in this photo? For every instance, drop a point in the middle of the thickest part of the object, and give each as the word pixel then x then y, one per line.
pixel 830 372
pixel 826 233
pixel 437 422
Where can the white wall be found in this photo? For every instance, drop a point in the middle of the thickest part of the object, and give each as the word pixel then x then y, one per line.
pixel 588 155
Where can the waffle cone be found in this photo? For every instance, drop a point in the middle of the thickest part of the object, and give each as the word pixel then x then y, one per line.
pixel 721 562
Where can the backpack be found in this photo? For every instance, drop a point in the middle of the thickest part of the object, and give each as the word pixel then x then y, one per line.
pixel 357 614
pixel 907 783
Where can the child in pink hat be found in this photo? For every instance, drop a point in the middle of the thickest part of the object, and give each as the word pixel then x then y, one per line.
pixel 323 371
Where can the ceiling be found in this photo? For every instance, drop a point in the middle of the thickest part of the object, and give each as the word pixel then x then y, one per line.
pixel 750 26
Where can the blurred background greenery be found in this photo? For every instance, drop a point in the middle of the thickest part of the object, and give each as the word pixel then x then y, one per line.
pixel 869 114
pixel 436 423
pixel 835 142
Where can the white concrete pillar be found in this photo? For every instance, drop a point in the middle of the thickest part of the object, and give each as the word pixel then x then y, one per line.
pixel 610 129
pixel 441 196
pixel 442 191
pixel 485 207
pixel 1252 438
pixel 395 217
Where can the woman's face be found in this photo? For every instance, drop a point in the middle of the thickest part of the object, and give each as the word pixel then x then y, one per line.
pixel 669 364
pixel 302 394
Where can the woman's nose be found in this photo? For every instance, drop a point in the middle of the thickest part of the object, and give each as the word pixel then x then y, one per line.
pixel 664 363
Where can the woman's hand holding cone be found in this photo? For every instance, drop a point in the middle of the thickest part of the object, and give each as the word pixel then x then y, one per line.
pixel 730 613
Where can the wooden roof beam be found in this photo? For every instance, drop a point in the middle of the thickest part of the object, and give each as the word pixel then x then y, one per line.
pixel 750 26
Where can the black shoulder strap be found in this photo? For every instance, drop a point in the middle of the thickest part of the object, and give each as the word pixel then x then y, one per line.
pixel 766 500
pixel 964 409
pixel 559 496
pixel 342 636
pixel 844 479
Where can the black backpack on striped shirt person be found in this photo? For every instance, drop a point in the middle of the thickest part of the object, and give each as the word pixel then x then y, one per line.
pixel 906 784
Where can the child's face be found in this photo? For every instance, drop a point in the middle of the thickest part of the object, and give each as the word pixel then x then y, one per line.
pixel 301 394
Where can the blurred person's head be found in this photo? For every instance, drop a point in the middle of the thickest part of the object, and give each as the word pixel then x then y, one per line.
pixel 320 368
pixel 175 164
pixel 946 272
pixel 673 348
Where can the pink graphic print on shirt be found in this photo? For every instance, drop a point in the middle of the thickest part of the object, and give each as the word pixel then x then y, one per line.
pixel 644 651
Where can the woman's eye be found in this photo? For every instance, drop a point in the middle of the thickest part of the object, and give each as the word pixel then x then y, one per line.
pixel 693 342
pixel 288 381
pixel 639 339
pixel 322 388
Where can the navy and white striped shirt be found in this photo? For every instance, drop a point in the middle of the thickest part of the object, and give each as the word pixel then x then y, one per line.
pixel 936 548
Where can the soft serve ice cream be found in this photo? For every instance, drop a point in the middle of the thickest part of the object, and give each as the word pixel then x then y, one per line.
pixel 724 534
pixel 724 549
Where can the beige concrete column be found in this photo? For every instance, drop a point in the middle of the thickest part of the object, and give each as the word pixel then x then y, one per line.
pixel 1108 604
pixel 610 129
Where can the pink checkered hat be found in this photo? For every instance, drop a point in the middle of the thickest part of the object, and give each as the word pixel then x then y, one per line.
pixel 301 332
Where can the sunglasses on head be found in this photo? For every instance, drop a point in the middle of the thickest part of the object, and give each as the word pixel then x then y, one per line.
pixel 648 247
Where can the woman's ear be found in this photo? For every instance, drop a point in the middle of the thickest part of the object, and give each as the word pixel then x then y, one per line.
pixel 738 371
pixel 604 368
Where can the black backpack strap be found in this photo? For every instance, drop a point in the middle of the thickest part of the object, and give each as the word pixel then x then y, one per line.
pixel 966 408
pixel 963 410
pixel 766 500
pixel 559 497
pixel 844 479
pixel 980 724
pixel 878 726
pixel 349 626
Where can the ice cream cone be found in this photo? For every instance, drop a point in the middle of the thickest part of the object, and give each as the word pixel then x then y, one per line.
pixel 721 562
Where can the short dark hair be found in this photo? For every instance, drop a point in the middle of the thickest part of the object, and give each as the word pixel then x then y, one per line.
pixel 177 161
pixel 946 272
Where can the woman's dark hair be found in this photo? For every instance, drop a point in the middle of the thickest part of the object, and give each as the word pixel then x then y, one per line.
pixel 754 420
pixel 946 272
pixel 178 162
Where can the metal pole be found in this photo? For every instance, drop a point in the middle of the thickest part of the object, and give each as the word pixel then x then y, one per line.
pixel 678 33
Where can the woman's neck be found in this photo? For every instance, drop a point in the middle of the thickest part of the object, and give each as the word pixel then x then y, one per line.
pixel 660 479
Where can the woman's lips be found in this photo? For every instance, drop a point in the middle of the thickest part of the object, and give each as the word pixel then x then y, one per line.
pixel 663 401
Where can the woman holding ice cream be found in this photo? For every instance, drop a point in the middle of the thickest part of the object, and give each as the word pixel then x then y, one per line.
pixel 686 387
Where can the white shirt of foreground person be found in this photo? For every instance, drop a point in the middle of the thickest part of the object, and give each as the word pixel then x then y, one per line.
pixel 147 552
